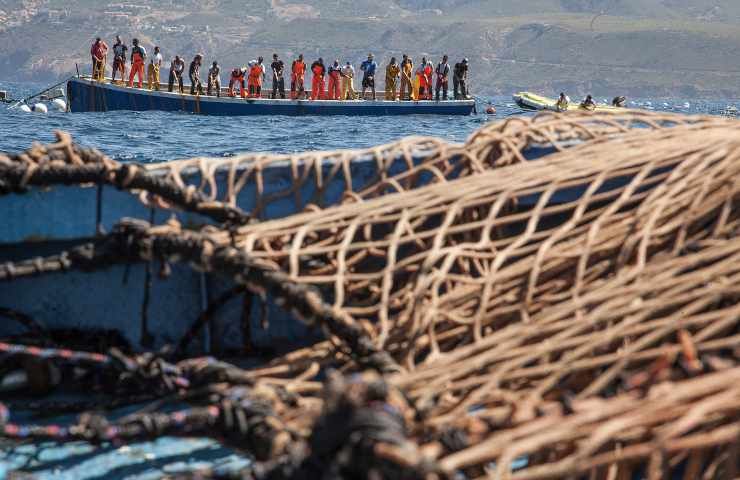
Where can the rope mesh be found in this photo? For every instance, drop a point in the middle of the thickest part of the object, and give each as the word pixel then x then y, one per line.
pixel 574 316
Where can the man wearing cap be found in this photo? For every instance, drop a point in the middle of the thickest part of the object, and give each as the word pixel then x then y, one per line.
pixel 460 80
pixel 368 78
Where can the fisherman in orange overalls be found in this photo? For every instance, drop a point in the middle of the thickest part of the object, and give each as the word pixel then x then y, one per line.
pixel 138 55
pixel 335 72
pixel 256 74
pixel 428 85
pixel 297 77
pixel 237 77
pixel 317 83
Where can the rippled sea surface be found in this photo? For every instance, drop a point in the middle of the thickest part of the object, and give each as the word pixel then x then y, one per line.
pixel 160 136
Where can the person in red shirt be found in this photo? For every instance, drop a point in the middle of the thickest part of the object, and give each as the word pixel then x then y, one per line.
pixel 297 78
pixel 98 52
pixel 317 83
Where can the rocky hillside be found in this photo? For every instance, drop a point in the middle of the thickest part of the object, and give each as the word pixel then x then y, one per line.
pixel 684 48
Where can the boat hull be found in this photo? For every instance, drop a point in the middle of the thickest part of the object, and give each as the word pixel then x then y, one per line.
pixel 89 96
pixel 532 101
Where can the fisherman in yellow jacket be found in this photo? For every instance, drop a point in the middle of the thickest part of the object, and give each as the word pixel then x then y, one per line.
pixel 407 67
pixel 391 75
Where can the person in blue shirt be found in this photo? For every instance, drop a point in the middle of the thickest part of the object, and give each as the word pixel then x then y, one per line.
pixel 368 78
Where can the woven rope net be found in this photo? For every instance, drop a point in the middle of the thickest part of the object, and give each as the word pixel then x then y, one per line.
pixel 574 316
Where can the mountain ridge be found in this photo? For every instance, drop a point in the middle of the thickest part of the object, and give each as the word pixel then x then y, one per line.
pixel 681 48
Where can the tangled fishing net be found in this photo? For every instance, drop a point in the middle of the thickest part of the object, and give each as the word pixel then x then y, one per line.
pixel 574 316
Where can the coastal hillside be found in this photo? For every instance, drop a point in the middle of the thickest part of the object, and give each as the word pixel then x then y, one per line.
pixel 685 48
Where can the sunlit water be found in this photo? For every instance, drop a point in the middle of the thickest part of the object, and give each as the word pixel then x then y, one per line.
pixel 160 136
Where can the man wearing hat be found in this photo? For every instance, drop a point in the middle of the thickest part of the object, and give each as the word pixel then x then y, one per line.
pixel 368 78
pixel 460 80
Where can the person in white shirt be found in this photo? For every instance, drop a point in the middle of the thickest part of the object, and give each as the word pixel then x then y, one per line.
pixel 348 77
pixel 152 72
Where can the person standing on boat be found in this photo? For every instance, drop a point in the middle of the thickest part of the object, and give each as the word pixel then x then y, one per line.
pixel 420 80
pixel 391 75
pixel 263 75
pixel 238 77
pixel 177 67
pixel 98 51
pixel 443 73
pixel 214 79
pixel 152 73
pixel 254 82
pixel 317 82
pixel 138 56
pixel 428 74
pixel 119 59
pixel 297 78
pixel 348 82
pixel 368 78
pixel 194 73
pixel 407 84
pixel 335 73
pixel 460 80
pixel 278 80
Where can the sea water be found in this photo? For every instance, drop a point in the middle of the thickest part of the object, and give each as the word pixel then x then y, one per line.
pixel 162 136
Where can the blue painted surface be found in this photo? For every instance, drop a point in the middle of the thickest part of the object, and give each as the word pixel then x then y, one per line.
pixel 141 460
pixel 88 96
pixel 116 298
pixel 113 299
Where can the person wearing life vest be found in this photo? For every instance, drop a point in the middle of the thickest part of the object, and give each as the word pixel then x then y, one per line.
pixel 407 84
pixel 317 82
pixel 98 51
pixel 297 78
pixel 138 56
pixel 443 73
pixel 460 80
pixel 368 78
pixel 348 82
pixel 391 76
pixel 238 77
pixel 177 67
pixel 152 73
pixel 278 79
pixel 254 82
pixel 214 79
pixel 194 73
pixel 119 60
pixel 334 81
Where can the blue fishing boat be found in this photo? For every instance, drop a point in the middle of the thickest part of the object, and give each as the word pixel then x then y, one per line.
pixel 87 95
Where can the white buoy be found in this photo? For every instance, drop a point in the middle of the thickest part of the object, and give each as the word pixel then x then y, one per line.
pixel 40 108
pixel 60 104
pixel 25 108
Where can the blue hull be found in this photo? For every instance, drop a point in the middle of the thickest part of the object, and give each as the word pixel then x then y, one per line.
pixel 89 96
